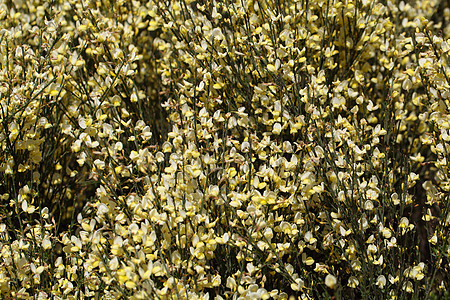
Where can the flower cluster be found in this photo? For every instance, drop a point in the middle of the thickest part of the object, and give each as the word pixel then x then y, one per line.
pixel 227 149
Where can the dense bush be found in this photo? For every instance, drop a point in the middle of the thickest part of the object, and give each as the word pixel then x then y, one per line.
pixel 224 149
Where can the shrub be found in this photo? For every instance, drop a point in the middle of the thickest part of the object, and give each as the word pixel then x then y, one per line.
pixel 226 149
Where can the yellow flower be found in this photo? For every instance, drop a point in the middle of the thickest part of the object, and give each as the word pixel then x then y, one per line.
pixel 330 281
